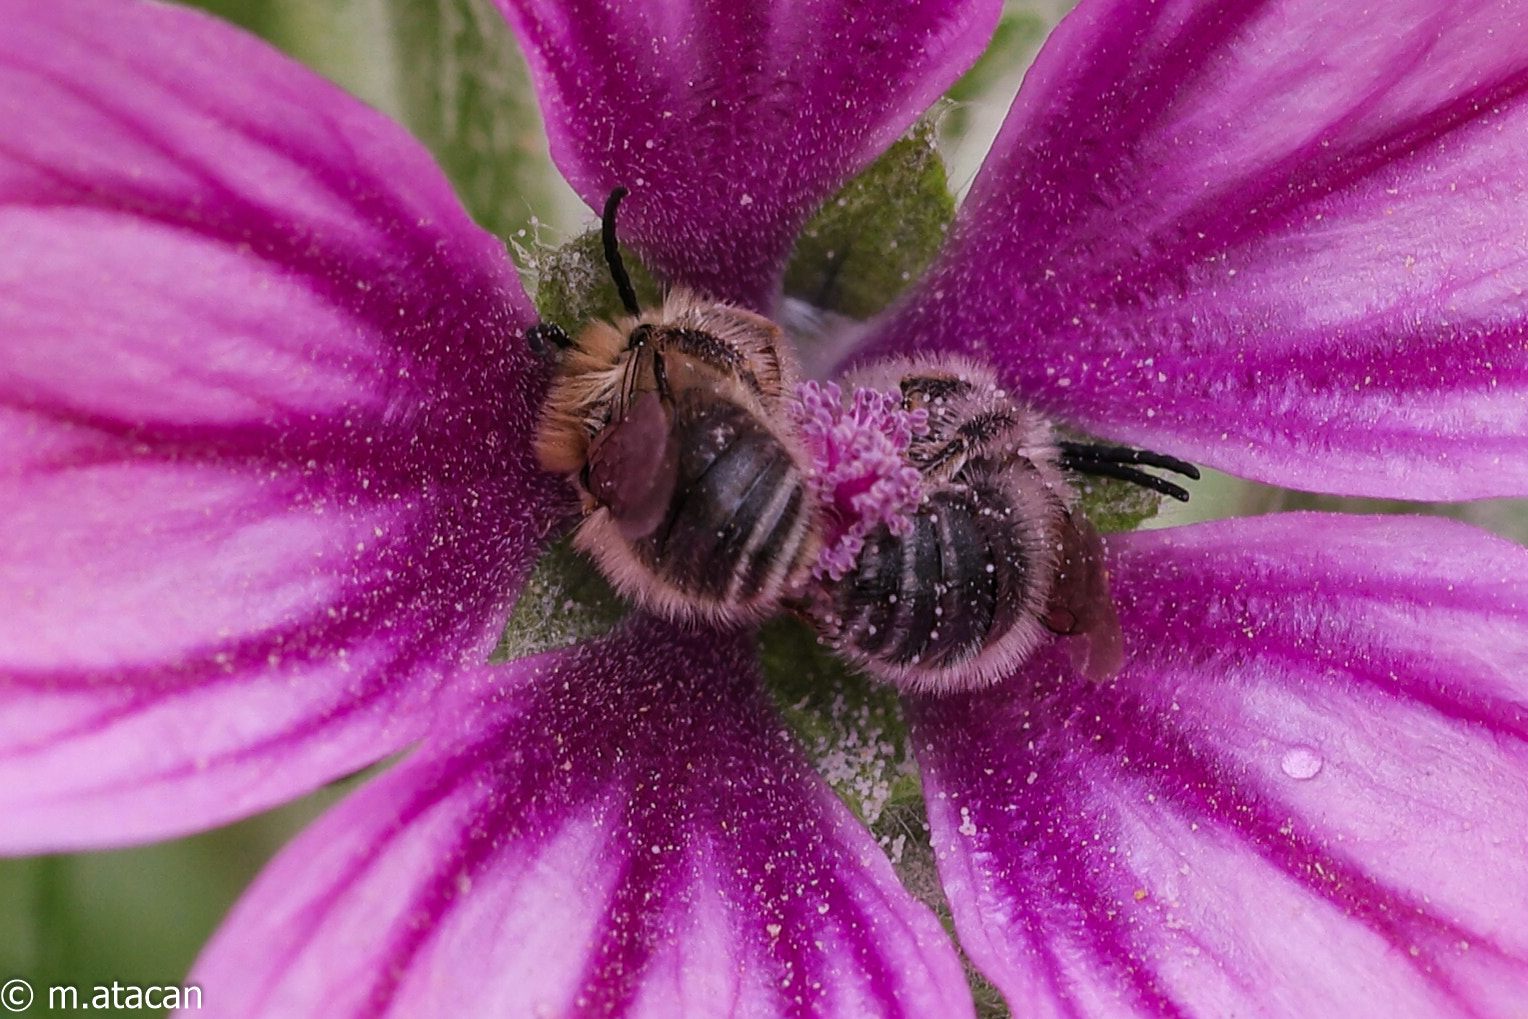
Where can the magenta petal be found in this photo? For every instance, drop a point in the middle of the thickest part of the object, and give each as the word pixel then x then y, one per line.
pixel 731 122
pixel 264 418
pixel 1305 795
pixel 619 829
pixel 1284 239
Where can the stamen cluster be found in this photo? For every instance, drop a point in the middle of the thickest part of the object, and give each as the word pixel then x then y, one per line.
pixel 859 470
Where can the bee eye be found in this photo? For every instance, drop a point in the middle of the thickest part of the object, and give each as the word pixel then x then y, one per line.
pixel 640 336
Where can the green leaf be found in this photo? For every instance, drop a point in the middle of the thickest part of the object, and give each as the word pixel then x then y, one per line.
pixel 250 15
pixel 137 916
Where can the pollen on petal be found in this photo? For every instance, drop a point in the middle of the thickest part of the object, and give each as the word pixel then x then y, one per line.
pixel 859 470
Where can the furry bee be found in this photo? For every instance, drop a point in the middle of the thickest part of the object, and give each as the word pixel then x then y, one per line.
pixel 668 424
pixel 997 557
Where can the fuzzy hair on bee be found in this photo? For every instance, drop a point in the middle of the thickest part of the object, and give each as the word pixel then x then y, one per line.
pixel 670 425
pixel 600 371
pixel 959 599
pixel 996 559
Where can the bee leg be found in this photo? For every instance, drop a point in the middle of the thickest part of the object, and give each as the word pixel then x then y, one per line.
pixel 1080 607
pixel 1116 462
pixel 956 447
pixel 547 340
pixel 661 379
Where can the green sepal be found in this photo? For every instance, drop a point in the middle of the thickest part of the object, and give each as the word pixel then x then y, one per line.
pixel 574 286
pixel 878 234
pixel 1113 506
pixel 903 831
pixel 855 733
pixel 851 727
pixel 565 600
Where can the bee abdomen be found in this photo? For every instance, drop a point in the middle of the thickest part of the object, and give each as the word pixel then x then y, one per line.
pixel 938 595
pixel 739 520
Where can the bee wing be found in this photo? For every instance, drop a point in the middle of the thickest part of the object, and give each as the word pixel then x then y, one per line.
pixel 634 464
pixel 1080 606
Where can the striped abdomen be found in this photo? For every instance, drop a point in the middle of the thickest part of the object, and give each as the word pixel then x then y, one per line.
pixel 924 609
pixel 738 525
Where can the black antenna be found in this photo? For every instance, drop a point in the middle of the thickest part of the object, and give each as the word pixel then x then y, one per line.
pixel 613 253
pixel 1115 462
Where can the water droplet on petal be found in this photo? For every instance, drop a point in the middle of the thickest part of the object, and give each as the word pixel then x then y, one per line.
pixel 1301 763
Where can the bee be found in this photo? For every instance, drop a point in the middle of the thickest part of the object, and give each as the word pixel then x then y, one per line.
pixel 997 559
pixel 669 424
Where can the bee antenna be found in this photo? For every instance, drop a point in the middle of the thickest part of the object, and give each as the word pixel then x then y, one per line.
pixel 613 253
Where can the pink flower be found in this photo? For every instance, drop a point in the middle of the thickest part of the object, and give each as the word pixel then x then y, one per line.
pixel 268 495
